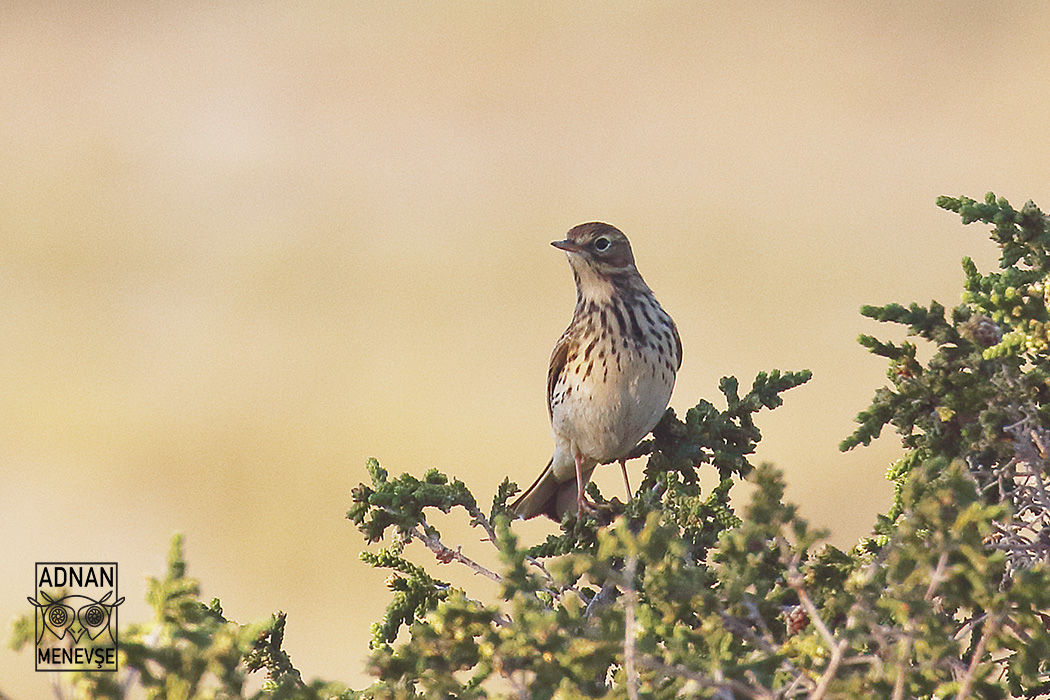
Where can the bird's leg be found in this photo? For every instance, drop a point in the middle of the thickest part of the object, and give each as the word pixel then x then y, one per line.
pixel 581 498
pixel 626 483
pixel 579 483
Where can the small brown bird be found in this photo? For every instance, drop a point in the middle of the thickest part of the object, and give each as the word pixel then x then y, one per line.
pixel 611 372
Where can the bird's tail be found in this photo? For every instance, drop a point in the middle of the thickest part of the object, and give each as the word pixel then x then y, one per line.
pixel 540 498
pixel 547 496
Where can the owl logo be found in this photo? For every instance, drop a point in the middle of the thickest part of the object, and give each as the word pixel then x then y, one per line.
pixel 76 615
pixel 75 611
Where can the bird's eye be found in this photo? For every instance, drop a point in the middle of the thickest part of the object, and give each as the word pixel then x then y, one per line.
pixel 601 244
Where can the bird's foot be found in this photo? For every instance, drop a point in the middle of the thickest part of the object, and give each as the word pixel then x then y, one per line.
pixel 585 505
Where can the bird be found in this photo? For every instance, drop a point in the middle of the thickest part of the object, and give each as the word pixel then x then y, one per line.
pixel 611 373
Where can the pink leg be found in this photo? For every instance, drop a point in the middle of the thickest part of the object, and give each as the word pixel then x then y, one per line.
pixel 579 484
pixel 626 483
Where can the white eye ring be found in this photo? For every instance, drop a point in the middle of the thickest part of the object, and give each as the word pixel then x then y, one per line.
pixel 601 244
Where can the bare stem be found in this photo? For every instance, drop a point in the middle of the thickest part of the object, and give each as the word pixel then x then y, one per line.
pixel 446 554
pixel 795 581
pixel 837 647
pixel 837 652
pixel 480 519
pixel 990 626
pixel 735 687
pixel 629 636
pixel 936 578
pixel 902 658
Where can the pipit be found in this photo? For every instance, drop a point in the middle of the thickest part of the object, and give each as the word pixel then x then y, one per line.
pixel 611 372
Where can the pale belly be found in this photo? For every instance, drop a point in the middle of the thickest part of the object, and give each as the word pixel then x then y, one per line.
pixel 603 417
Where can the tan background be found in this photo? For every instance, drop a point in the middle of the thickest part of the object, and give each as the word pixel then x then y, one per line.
pixel 246 246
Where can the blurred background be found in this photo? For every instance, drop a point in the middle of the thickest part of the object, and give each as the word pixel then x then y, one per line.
pixel 245 246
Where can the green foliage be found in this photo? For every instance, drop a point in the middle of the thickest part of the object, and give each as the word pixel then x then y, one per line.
pixel 400 503
pixel 675 594
pixel 723 439
pixel 989 373
pixel 770 613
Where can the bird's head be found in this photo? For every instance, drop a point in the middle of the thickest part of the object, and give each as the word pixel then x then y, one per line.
pixel 599 245
pixel 600 256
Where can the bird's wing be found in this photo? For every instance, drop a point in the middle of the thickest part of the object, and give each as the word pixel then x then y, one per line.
pixel 559 356
pixel 677 346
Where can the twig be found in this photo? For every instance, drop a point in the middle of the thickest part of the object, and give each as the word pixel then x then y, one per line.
pixel 795 582
pixel 902 658
pixel 869 659
pixel 936 578
pixel 446 554
pixel 990 626
pixel 539 565
pixel 480 519
pixel 676 671
pixel 630 567
pixel 604 594
pixel 837 647
pixel 799 680
pixel 967 624
pixel 837 652
pixel 755 617
pixel 762 642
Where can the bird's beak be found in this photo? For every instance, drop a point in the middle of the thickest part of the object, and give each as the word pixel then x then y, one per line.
pixel 567 245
